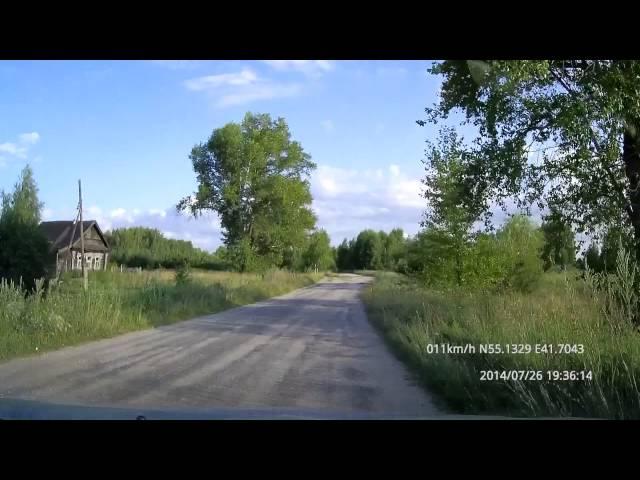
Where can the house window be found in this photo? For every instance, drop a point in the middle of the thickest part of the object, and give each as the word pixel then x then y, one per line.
pixel 96 263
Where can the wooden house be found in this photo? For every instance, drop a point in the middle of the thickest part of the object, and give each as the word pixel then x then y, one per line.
pixel 64 238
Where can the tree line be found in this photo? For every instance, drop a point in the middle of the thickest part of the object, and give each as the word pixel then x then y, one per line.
pixel 149 248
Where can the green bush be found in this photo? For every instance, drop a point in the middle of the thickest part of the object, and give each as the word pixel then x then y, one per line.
pixel 183 274
pixel 509 258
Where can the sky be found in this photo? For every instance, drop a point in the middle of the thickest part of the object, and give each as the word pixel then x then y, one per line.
pixel 126 129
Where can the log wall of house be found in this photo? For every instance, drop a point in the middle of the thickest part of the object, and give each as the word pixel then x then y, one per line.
pixel 93 260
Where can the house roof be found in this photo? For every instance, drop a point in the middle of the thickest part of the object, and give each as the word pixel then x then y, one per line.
pixel 59 233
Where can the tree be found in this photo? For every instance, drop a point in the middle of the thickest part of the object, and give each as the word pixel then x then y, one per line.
pixel 254 176
pixel 564 133
pixel 448 220
pixel 520 243
pixel 367 250
pixel 318 255
pixel 559 242
pixel 344 256
pixel 24 250
pixel 395 248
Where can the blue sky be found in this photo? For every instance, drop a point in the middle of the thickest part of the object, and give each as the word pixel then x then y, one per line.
pixel 126 128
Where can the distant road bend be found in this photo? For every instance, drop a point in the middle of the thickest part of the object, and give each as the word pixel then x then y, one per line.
pixel 310 349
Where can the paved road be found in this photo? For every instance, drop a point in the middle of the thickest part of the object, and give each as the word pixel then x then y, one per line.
pixel 309 349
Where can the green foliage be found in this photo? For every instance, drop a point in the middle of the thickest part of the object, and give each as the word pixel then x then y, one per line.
pixel 367 250
pixel 592 258
pixel 434 259
pixel 24 250
pixel 148 248
pixel 447 220
pixel 507 259
pixel 183 274
pixel 615 237
pixel 558 132
pixel 344 255
pixel 372 250
pixel 253 175
pixel 318 255
pixel 520 243
pixel 559 242
pixel 395 250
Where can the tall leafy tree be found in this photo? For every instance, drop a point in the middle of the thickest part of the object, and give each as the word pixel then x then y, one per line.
pixel 559 242
pixel 448 220
pixel 255 177
pixel 24 250
pixel 565 133
pixel 318 255
pixel 367 250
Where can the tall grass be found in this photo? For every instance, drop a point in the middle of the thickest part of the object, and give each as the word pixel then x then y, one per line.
pixel 597 311
pixel 121 302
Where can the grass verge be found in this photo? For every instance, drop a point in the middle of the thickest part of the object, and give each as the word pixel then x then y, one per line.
pixel 564 310
pixel 122 302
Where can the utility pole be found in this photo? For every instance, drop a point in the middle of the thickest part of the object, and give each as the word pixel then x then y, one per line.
pixel 85 279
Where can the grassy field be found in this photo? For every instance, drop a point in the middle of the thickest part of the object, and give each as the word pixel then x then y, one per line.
pixel 121 302
pixel 563 310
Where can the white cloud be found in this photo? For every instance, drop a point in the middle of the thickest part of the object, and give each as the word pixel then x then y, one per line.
pixel 259 92
pixel 350 200
pixel 228 89
pixel 308 67
pixel 157 211
pixel 18 150
pixel 93 210
pixel 29 138
pixel 244 77
pixel 406 193
pixel 118 213
pixel 327 125
pixel 13 149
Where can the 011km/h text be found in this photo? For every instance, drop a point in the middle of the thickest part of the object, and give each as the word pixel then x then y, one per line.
pixel 506 348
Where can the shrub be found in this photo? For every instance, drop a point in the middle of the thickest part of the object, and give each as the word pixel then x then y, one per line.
pixel 183 274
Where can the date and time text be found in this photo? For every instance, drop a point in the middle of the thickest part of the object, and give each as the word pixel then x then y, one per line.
pixel 519 349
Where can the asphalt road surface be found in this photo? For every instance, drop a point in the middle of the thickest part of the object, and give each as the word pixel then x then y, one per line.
pixel 310 349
